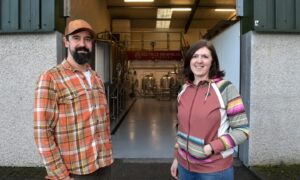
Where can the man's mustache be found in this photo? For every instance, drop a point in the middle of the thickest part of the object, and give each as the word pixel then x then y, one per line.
pixel 82 49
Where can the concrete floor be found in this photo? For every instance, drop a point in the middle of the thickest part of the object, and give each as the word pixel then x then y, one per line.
pixel 148 130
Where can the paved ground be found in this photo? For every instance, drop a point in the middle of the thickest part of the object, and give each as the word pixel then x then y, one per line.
pixel 123 169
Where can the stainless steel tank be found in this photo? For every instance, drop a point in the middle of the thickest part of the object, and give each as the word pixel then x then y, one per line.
pixel 148 84
pixel 165 82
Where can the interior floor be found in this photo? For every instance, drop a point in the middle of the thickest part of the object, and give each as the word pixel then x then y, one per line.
pixel 148 130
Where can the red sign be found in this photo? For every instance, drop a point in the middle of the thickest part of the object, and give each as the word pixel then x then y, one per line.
pixel 154 55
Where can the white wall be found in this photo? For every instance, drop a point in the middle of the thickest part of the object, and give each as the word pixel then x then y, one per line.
pixel 22 59
pixel 274 99
pixel 227 45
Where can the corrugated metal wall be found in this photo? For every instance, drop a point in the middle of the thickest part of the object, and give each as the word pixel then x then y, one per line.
pixel 27 15
pixel 277 15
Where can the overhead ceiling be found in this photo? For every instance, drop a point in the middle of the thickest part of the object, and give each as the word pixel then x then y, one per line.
pixel 202 15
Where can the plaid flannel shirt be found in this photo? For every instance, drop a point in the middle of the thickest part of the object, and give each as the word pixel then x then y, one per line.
pixel 71 122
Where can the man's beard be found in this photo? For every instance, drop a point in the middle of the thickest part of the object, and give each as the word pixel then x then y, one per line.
pixel 81 58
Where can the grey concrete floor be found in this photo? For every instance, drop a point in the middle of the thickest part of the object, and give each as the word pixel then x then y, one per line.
pixel 148 130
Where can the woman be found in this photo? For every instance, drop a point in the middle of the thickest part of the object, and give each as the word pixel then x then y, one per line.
pixel 211 119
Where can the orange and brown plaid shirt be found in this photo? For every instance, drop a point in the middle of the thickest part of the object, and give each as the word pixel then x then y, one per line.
pixel 71 122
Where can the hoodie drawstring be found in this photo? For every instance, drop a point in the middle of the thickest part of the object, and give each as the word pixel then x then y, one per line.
pixel 208 91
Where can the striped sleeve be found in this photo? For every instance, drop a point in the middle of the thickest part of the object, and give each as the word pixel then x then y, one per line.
pixel 236 115
pixel 45 117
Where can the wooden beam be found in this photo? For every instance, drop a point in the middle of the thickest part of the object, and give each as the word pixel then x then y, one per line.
pixel 194 9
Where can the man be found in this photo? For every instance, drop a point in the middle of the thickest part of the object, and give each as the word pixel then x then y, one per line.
pixel 71 118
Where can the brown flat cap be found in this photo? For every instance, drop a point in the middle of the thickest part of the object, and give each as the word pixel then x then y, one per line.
pixel 77 25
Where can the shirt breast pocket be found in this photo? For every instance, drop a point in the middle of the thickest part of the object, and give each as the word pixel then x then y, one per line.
pixel 99 96
pixel 72 97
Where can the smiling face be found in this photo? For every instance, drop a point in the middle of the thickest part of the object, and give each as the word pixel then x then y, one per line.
pixel 200 64
pixel 80 46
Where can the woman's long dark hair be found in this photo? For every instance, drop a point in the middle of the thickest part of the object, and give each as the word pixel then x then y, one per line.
pixel 214 71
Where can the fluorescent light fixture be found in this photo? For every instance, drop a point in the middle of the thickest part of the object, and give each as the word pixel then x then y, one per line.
pixel 163 24
pixel 138 0
pixel 164 13
pixel 225 10
pixel 181 9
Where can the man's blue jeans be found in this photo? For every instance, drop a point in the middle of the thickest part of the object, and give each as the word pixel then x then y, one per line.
pixel 185 174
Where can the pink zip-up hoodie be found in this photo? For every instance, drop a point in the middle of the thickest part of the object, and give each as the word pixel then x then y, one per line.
pixel 210 113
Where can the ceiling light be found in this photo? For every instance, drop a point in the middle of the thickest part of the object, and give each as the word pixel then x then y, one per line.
pixel 181 9
pixel 138 0
pixel 163 24
pixel 225 10
pixel 164 13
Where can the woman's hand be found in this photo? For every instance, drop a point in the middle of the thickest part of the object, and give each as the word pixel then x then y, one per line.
pixel 174 170
pixel 207 150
